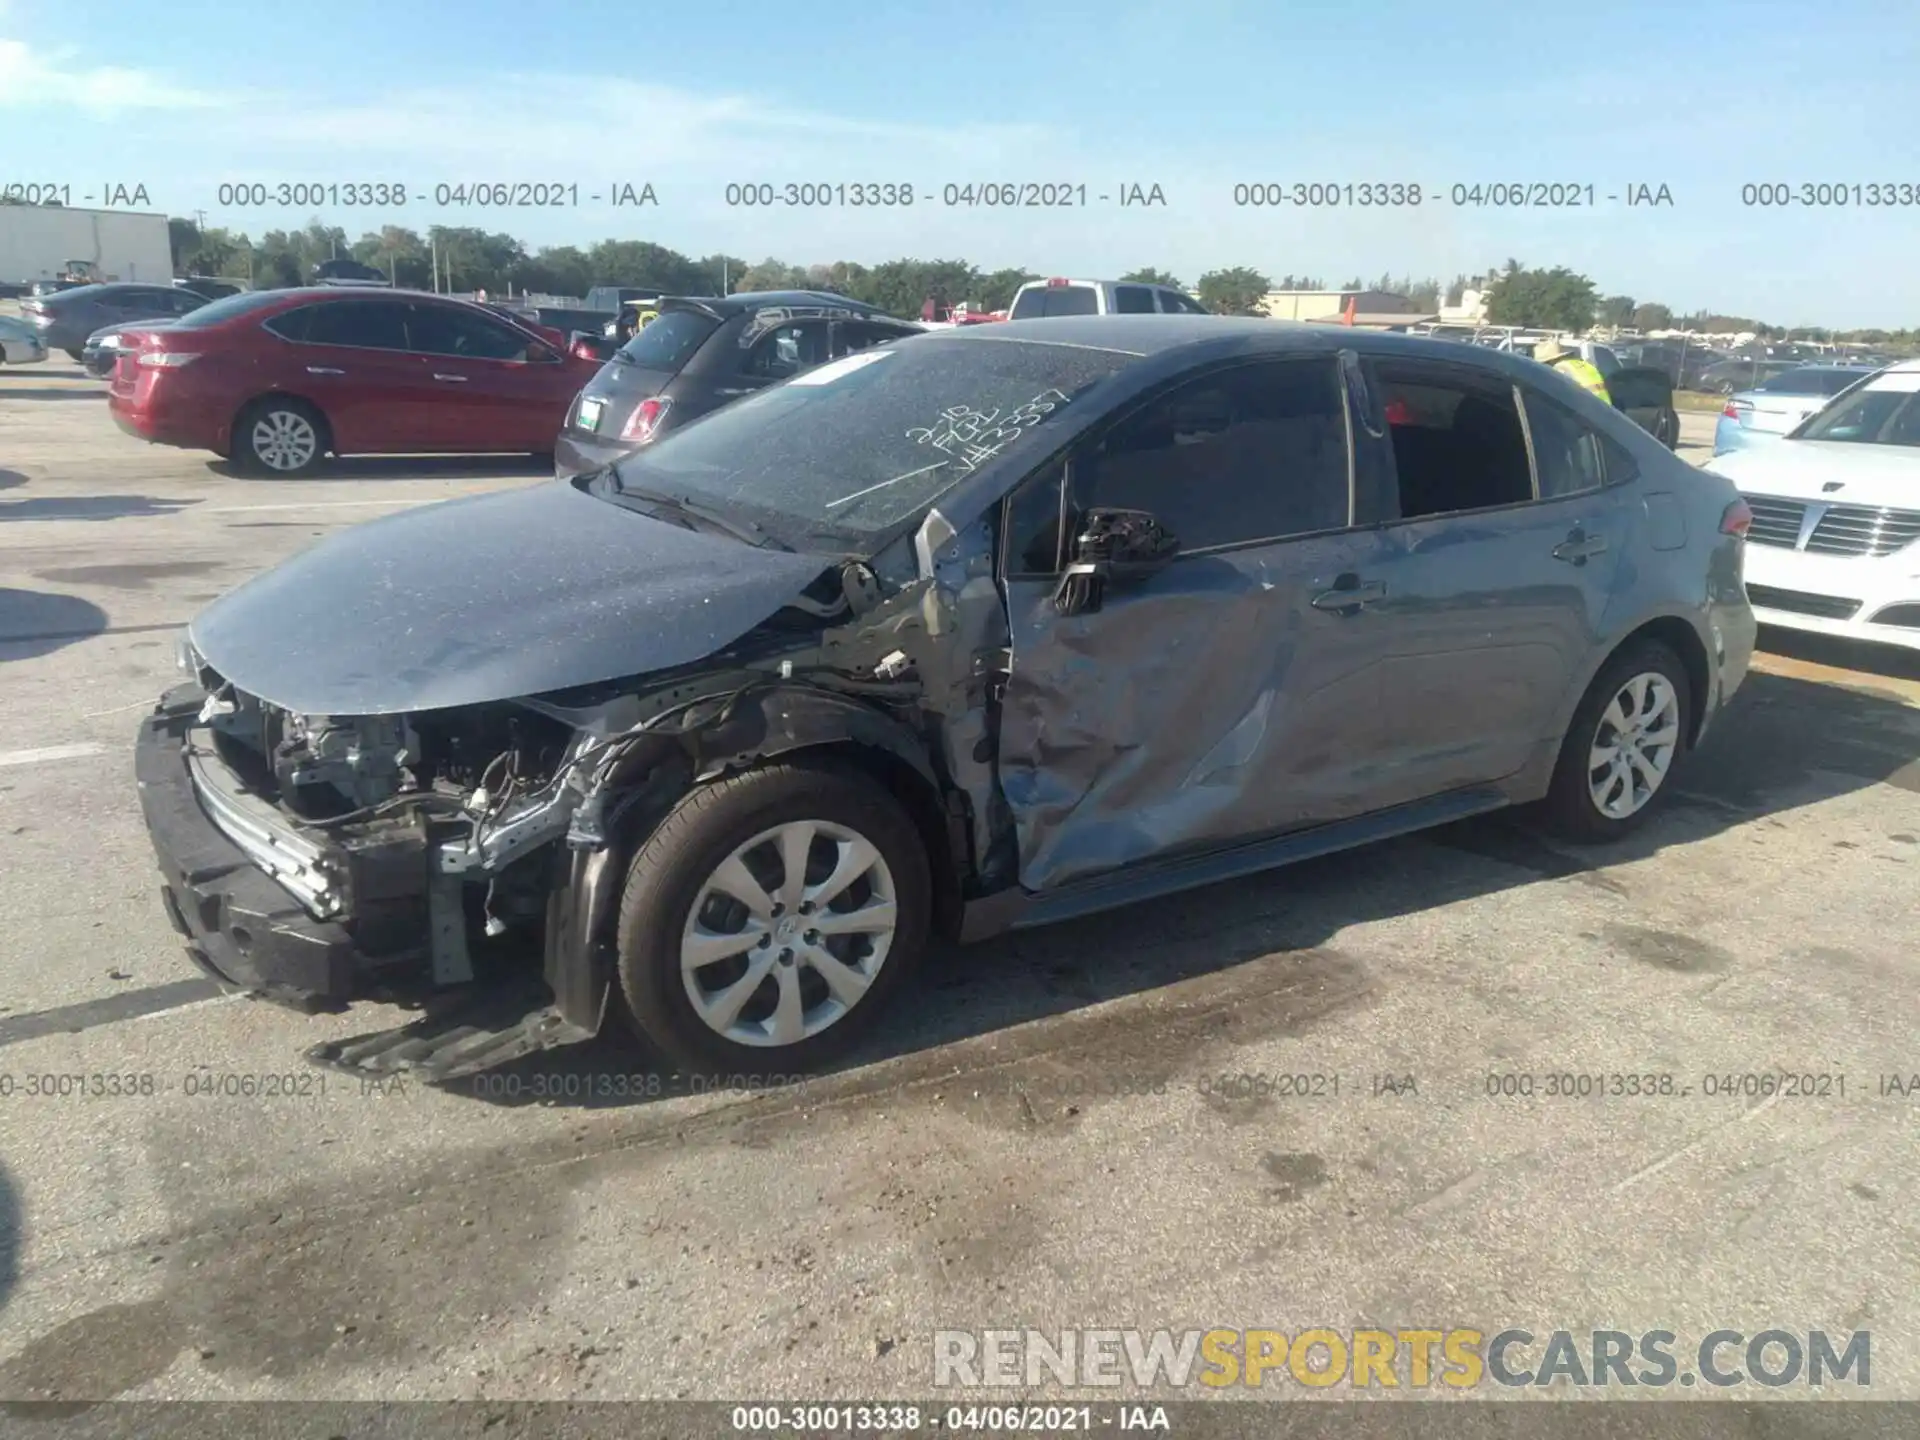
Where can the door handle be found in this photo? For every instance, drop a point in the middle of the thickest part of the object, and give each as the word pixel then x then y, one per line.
pixel 1579 546
pixel 1349 594
pixel 456 379
pixel 324 370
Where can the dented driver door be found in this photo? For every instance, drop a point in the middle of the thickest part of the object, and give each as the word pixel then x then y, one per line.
pixel 1223 698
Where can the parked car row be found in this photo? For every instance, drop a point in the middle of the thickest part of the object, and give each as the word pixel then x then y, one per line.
pixel 931 634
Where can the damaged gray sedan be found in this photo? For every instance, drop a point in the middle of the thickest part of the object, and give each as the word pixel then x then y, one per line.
pixel 978 630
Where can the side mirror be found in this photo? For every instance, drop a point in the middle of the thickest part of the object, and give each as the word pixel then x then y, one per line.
pixel 1113 547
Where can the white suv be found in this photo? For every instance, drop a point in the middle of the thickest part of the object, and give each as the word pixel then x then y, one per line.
pixel 1835 541
pixel 1049 298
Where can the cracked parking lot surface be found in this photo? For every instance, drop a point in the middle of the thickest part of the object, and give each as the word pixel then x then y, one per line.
pixel 1273 1103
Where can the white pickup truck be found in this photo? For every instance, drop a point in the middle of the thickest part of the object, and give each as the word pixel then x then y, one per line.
pixel 1038 298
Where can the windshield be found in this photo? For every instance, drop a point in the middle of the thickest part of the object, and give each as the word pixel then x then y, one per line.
pixel 669 342
pixel 840 454
pixel 1884 411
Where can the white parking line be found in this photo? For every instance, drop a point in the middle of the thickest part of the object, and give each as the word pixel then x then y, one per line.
pixel 49 752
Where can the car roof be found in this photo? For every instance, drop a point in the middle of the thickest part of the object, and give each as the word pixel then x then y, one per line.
pixel 367 292
pixel 744 300
pixel 1208 335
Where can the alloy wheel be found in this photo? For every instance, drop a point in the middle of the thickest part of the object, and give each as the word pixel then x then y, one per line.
pixel 1634 745
pixel 285 440
pixel 788 933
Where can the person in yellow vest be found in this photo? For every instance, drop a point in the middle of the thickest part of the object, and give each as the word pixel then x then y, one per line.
pixel 1569 363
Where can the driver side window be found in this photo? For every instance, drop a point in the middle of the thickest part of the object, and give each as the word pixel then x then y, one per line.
pixel 1255 452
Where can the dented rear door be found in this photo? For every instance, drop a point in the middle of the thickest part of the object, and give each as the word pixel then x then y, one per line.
pixel 1215 702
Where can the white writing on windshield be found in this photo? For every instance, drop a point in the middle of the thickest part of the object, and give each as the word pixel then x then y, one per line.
pixel 971 437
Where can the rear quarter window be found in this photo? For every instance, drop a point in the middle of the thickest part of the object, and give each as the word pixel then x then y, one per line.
pixel 669 342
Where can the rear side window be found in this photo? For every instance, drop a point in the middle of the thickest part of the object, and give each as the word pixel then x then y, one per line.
pixel 1132 300
pixel 1566 452
pixel 363 325
pixel 669 342
pixel 1180 304
pixel 1457 441
pixel 1053 301
pixel 787 351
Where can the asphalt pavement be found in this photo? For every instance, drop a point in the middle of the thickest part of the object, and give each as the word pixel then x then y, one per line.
pixel 1087 1125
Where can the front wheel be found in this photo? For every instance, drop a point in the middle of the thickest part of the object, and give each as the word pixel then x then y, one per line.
pixel 280 436
pixel 770 917
pixel 1618 755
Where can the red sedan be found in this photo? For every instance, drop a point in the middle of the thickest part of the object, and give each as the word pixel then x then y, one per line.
pixel 279 379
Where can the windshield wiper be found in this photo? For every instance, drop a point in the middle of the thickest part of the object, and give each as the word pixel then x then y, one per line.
pixel 743 530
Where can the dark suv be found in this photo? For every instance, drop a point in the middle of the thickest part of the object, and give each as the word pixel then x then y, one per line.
pixel 701 353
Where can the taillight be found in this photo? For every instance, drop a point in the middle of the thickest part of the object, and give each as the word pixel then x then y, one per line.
pixel 1057 282
pixel 167 359
pixel 1732 412
pixel 1737 519
pixel 644 422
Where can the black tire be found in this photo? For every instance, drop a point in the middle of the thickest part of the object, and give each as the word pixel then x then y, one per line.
pixel 250 459
pixel 1570 808
pixel 672 868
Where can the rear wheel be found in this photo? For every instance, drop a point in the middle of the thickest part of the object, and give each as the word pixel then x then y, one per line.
pixel 1618 756
pixel 280 436
pixel 770 917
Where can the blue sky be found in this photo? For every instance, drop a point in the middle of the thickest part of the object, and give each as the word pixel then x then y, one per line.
pixel 1195 97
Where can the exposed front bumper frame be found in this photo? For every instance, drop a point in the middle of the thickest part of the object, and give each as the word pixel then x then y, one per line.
pixel 241 926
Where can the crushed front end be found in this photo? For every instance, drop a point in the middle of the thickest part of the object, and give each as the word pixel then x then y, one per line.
pixel 316 860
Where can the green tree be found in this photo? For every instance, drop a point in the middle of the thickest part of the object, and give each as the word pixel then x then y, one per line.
pixel 1149 276
pixel 995 291
pixel 1237 291
pixel 772 274
pixel 1555 299
pixel 1424 296
pixel 1356 283
pixel 1652 315
pixel 1457 291
pixel 1617 311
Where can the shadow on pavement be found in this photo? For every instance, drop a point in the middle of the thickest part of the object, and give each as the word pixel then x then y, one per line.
pixel 1862 656
pixel 35 622
pixel 11 478
pixel 90 507
pixel 1764 751
pixel 42 392
pixel 407 467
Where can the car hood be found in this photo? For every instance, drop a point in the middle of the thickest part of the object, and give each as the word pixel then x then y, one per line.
pixel 489 598
pixel 1806 469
